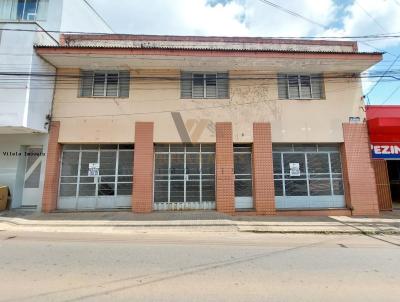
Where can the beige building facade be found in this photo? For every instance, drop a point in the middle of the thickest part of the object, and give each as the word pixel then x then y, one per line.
pixel 240 125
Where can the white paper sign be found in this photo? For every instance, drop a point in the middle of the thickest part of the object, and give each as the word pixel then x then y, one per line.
pixel 93 169
pixel 294 169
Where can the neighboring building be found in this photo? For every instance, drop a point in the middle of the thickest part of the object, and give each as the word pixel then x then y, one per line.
pixel 240 125
pixel 384 131
pixel 25 97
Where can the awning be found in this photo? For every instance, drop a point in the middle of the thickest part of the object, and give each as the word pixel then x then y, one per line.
pixel 384 131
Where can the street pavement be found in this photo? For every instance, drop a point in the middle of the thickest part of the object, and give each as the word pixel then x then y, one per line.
pixel 198 266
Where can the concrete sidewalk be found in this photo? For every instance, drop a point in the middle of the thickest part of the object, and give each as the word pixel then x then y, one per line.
pixel 192 221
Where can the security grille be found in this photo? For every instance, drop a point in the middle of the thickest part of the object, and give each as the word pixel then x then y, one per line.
pixel 308 176
pixel 96 176
pixel 184 176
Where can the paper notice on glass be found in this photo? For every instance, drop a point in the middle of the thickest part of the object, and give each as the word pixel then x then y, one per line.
pixel 294 169
pixel 93 169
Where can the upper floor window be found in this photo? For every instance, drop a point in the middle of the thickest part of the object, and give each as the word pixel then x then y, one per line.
pixel 300 86
pixel 29 10
pixel 200 85
pixel 104 84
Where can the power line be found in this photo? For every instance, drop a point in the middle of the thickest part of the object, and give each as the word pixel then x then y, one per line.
pixel 384 74
pixel 290 12
pixel 371 17
pixel 383 35
pixel 391 95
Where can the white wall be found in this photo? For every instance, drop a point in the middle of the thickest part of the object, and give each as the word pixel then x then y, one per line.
pixel 12 168
pixel 25 101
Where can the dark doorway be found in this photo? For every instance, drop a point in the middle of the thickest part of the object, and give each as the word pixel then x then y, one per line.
pixel 394 178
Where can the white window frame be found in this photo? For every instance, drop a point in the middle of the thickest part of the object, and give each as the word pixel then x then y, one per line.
pixel 205 85
pixel 310 76
pixel 106 73
pixel 32 14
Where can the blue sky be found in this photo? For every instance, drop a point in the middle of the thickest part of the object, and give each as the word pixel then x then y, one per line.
pixel 255 18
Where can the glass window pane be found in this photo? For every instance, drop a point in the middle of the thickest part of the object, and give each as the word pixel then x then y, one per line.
pixel 277 163
pixel 328 147
pixel 71 147
pixel 124 189
pixel 318 163
pixel 98 84
pixel 125 163
pixel 177 191
pixel 162 148
pixel 192 163
pixel 243 188
pixel 242 163
pixel 299 158
pixel 208 163
pixel 69 180
pixel 278 187
pixel 70 162
pixel 336 164
pixel 282 147
pixel 211 85
pixel 161 191
pixel 106 189
pixel 177 148
pixel 293 87
pixel 320 187
pixel 192 148
pixel 112 84
pixel 125 178
pixel 296 187
pixel 305 83
pixel 68 190
pixel 108 162
pixel 208 190
pixel 198 85
pixel 338 187
pixel 207 148
pixel 177 163
pixel 126 147
pixel 85 179
pixel 86 159
pixel 87 190
pixel 161 164
pixel 305 147
pixel 193 191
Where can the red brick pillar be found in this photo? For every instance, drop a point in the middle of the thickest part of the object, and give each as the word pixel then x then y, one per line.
pixel 263 171
pixel 361 186
pixel 142 195
pixel 52 174
pixel 225 190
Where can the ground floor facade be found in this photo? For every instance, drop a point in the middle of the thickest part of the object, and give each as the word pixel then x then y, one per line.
pixel 22 168
pixel 259 177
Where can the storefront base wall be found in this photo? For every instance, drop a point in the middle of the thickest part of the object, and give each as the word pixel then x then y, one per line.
pixel 360 186
pixel 52 176
pixel 382 184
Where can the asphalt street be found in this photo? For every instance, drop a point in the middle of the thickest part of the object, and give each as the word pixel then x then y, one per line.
pixel 203 266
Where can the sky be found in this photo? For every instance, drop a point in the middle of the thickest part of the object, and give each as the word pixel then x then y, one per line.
pixel 257 18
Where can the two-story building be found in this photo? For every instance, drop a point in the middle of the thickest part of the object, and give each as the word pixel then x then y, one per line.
pixel 240 125
pixel 27 87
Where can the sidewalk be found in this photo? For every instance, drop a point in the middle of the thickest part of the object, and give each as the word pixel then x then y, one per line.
pixel 192 221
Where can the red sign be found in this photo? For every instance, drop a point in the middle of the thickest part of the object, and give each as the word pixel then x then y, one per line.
pixel 384 131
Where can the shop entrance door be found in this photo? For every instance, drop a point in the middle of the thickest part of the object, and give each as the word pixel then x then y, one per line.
pixel 394 179
pixel 184 177
pixel 96 177
pixel 31 194
pixel 243 177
